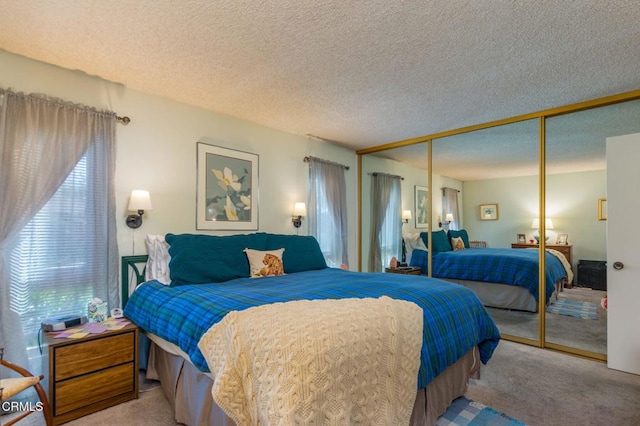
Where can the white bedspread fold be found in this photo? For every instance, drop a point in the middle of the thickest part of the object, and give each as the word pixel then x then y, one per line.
pixel 565 263
pixel 322 362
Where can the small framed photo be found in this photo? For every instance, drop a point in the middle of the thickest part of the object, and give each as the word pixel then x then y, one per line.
pixel 521 239
pixel 602 209
pixel 488 212
pixel 562 239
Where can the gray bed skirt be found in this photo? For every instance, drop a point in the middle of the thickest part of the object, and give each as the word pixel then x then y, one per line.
pixel 189 390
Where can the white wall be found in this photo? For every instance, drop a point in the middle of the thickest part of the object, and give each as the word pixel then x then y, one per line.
pixel 572 204
pixel 157 152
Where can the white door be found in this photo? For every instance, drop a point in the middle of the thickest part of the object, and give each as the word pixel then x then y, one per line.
pixel 623 253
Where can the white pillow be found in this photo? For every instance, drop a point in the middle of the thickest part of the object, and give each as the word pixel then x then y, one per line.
pixel 265 263
pixel 158 261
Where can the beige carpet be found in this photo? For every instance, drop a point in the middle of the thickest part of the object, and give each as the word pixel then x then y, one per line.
pixel 536 386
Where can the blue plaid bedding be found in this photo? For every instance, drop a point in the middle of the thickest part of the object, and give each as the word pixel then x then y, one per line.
pixel 499 265
pixel 454 319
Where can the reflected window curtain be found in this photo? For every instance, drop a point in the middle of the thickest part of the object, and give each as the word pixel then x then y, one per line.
pixel 58 246
pixel 450 205
pixel 328 210
pixel 386 223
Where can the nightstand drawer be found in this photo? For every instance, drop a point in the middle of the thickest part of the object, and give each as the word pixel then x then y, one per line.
pixel 82 391
pixel 86 357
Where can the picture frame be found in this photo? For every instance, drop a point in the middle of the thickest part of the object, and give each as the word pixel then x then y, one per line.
pixel 227 189
pixel 521 238
pixel 488 211
pixel 562 239
pixel 420 205
pixel 602 209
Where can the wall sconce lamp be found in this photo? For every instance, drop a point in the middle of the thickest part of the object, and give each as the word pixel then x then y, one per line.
pixel 138 201
pixel 406 216
pixel 448 218
pixel 299 211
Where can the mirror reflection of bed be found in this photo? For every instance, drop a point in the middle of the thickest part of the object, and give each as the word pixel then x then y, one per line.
pixel 501 165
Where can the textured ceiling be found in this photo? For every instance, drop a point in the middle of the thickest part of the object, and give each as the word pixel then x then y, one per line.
pixel 360 73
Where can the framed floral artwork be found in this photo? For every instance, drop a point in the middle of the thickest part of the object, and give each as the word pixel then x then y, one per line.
pixel 488 212
pixel 420 199
pixel 227 189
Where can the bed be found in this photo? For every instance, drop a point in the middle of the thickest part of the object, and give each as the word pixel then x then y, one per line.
pixel 501 277
pixel 210 278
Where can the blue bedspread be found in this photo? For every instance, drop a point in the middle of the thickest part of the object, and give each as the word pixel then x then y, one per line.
pixel 454 319
pixel 499 265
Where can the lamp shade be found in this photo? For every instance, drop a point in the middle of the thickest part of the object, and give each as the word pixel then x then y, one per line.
pixel 139 200
pixel 406 214
pixel 548 224
pixel 448 217
pixel 299 209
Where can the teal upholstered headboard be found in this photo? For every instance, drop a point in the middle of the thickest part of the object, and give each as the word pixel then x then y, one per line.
pixel 132 263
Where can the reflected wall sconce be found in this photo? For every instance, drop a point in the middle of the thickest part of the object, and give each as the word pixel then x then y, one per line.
pixel 139 201
pixel 406 216
pixel 448 218
pixel 299 211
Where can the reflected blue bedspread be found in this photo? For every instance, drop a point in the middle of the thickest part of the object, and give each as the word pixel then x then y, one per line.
pixel 499 265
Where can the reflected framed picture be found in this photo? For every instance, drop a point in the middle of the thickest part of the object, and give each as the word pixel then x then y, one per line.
pixel 227 189
pixel 420 200
pixel 562 239
pixel 602 209
pixel 521 239
pixel 488 212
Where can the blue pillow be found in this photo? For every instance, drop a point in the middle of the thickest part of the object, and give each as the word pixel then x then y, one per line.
pixel 301 252
pixel 440 241
pixel 198 259
pixel 462 233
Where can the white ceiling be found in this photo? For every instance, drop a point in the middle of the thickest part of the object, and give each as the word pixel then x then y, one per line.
pixel 360 73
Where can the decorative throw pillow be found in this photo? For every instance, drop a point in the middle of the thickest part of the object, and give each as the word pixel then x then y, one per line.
pixel 266 263
pixel 457 243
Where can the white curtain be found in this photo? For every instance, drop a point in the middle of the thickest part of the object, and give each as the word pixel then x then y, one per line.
pixel 386 223
pixel 328 209
pixel 450 205
pixel 42 140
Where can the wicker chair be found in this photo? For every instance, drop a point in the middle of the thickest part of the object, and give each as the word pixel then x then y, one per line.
pixel 13 386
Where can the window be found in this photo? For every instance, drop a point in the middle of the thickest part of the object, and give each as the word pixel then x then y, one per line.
pixel 328 210
pixel 58 260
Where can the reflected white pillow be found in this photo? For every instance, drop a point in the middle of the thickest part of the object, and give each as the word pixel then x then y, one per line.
pixel 158 261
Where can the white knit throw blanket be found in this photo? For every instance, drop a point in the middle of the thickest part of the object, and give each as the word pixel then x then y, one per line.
pixel 565 264
pixel 320 362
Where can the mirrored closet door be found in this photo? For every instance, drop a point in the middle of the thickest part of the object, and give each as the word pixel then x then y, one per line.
pixel 576 178
pixel 497 173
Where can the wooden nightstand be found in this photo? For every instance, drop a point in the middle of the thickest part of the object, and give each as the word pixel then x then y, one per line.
pixel 91 373
pixel 406 270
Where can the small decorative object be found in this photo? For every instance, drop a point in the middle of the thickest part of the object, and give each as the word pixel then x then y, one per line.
pixel 421 206
pixel 97 310
pixel 531 241
pixel 393 263
pixel 522 239
pixel 488 212
pixel 604 302
pixel 562 239
pixel 227 192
